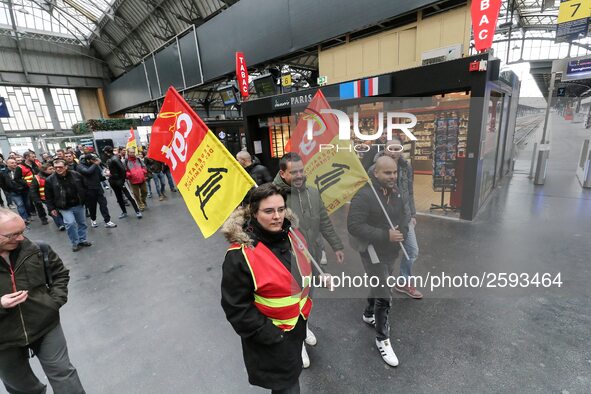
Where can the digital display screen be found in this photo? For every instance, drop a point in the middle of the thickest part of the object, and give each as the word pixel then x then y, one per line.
pixel 228 95
pixel 265 85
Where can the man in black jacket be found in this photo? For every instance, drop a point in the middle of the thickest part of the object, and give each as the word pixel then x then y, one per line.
pixel 64 191
pixel 90 170
pixel 378 245
pixel 117 179
pixel 257 171
pixel 17 187
pixel 29 313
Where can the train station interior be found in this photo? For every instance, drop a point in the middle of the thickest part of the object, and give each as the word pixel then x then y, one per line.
pixel 500 162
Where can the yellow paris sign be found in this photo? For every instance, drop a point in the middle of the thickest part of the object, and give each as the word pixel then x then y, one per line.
pixel 572 10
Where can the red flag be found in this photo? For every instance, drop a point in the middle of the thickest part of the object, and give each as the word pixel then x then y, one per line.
pixel 324 128
pixel 484 21
pixel 208 177
pixel 176 133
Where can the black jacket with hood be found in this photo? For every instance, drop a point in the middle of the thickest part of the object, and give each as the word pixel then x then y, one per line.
pixel 273 358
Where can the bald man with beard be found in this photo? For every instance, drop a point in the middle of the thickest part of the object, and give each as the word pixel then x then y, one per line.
pixel 370 229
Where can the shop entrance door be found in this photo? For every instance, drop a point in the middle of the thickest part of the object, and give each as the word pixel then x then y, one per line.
pixel 500 158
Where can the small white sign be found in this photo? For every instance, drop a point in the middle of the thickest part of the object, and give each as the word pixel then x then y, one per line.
pixel 258 147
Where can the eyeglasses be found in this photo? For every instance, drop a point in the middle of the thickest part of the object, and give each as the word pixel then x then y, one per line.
pixel 15 235
pixel 270 211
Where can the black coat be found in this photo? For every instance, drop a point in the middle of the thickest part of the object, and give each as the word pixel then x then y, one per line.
pixel 368 224
pixel 56 191
pixel 16 185
pixel 117 170
pixel 259 173
pixel 92 175
pixel 273 358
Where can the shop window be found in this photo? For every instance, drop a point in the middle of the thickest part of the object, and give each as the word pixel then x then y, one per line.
pixel 279 133
pixel 489 145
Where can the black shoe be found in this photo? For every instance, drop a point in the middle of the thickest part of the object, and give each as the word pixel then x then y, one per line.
pixel 76 248
pixel 85 243
pixel 62 228
pixel 44 221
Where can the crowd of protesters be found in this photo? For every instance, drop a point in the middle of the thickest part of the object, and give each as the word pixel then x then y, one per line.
pixel 67 186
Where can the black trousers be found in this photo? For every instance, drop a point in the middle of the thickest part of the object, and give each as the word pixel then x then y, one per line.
pixel 379 300
pixel 40 208
pixel 94 196
pixel 119 192
pixel 293 389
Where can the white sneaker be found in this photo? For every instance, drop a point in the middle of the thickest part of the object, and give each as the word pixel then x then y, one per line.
pixel 370 320
pixel 110 225
pixel 305 358
pixel 323 260
pixel 310 337
pixel 93 223
pixel 387 352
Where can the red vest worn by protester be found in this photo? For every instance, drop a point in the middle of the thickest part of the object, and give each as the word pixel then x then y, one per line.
pixel 276 293
pixel 27 174
pixel 41 182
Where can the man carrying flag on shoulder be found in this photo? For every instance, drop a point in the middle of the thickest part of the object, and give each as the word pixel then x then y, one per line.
pixel 308 207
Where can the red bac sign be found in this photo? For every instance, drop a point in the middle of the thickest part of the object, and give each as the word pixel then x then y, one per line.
pixel 484 20
pixel 241 74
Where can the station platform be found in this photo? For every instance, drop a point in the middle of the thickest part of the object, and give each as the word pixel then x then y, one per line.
pixel 144 312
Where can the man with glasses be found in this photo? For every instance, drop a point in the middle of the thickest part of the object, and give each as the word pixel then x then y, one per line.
pixel 29 313
pixel 65 194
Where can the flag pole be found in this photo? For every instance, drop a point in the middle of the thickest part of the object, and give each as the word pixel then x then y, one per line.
pixel 387 217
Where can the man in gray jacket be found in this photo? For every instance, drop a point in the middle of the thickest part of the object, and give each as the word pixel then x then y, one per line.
pixel 306 203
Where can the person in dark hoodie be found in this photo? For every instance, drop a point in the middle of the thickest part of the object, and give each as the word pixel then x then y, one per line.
pixel 264 266
pixel 89 168
pixel 257 171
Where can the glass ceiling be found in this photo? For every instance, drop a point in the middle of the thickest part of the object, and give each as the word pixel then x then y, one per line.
pixel 67 18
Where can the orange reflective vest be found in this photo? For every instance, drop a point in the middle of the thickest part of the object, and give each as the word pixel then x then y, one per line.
pixel 41 181
pixel 27 174
pixel 276 293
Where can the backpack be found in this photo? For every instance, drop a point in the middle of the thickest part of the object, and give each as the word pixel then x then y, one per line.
pixel 45 252
pixel 137 175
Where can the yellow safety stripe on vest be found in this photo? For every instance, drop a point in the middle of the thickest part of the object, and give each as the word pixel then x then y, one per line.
pixel 303 302
pixel 290 322
pixel 254 279
pixel 278 302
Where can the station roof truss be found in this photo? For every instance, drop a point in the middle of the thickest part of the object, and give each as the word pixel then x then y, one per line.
pixel 526 32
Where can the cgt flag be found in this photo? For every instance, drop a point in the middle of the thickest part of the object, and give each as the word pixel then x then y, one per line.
pixel 131 141
pixel 210 180
pixel 337 173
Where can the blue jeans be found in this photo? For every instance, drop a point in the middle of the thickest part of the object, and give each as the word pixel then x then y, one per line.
pixel 412 248
pixel 75 222
pixel 58 220
pixel 159 181
pixel 18 199
pixel 170 181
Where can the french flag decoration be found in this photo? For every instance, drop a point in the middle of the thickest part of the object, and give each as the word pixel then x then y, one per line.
pixel 371 87
pixel 360 88
pixel 349 90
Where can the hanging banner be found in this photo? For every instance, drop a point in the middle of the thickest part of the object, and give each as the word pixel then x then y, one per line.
pixel 484 21
pixel 241 74
pixel 208 177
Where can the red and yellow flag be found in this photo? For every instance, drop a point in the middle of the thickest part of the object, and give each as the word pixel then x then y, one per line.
pixel 337 171
pixel 210 180
pixel 131 141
